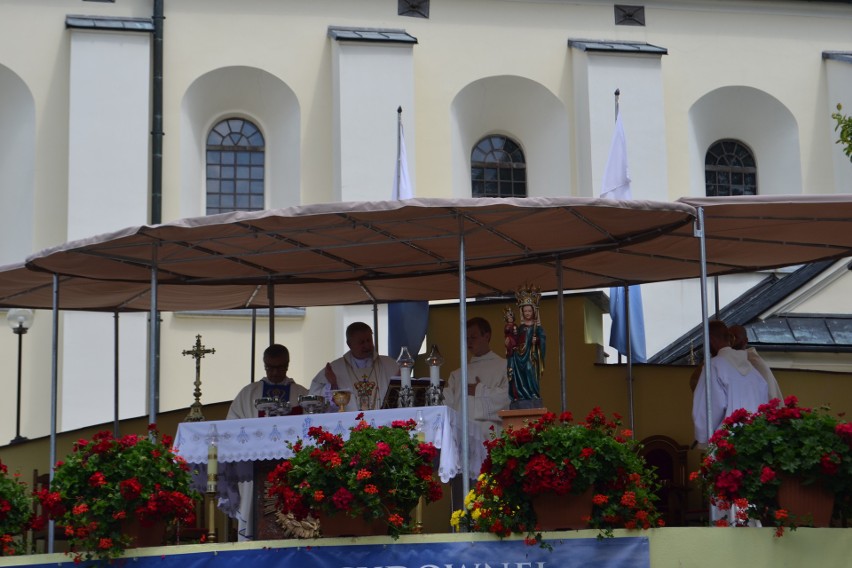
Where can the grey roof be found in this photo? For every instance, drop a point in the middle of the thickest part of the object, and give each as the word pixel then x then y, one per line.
pixel 107 23
pixel 616 46
pixel 370 35
pixel 744 311
pixel 802 332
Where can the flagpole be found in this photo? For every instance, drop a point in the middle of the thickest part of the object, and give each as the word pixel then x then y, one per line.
pixel 628 342
pixel 398 150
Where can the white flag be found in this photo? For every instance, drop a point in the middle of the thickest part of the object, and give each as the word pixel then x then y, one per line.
pixel 401 181
pixel 616 186
pixel 616 179
pixel 407 321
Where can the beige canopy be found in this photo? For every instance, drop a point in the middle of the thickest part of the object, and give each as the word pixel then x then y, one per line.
pixel 350 253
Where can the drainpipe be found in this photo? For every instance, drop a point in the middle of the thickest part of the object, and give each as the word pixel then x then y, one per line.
pixel 157 116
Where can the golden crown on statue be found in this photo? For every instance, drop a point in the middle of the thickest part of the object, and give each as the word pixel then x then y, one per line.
pixel 528 295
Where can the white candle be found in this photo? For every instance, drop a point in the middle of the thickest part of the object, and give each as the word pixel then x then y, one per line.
pixel 212 467
pixel 405 374
pixel 434 375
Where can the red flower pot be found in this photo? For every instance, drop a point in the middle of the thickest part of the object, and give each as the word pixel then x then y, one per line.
pixel 804 502
pixel 563 512
pixel 343 525
pixel 143 536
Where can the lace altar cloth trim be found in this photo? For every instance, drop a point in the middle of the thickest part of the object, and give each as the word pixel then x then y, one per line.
pixel 255 439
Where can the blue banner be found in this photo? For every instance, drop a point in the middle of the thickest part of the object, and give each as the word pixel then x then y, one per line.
pixel 632 552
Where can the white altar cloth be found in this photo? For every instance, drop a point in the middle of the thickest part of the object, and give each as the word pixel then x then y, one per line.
pixel 254 439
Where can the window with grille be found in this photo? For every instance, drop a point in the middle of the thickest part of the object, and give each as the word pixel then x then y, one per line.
pixel 235 167
pixel 730 169
pixel 498 168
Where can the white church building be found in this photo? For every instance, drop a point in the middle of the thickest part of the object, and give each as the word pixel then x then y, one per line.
pixel 130 112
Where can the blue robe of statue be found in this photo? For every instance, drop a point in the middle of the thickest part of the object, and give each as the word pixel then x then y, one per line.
pixel 525 362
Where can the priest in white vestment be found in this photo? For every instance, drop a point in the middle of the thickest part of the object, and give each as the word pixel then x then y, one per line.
pixel 487 393
pixel 735 384
pixel 359 364
pixel 276 384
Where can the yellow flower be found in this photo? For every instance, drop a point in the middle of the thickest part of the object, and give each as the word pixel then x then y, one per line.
pixel 471 497
pixel 475 514
pixel 456 518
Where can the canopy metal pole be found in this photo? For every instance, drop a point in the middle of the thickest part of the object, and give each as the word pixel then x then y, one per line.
pixel 154 344
pixel 54 393
pixel 115 381
pixel 376 327
pixel 270 294
pixel 560 302
pixel 716 295
pixel 700 233
pixel 465 443
pixel 629 358
pixel 253 340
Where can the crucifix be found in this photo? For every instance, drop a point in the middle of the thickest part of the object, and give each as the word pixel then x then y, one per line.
pixel 197 352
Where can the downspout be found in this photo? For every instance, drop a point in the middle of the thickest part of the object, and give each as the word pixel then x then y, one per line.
pixel 157 116
pixel 156 205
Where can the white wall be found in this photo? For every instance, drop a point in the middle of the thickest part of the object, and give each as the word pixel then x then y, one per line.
pixel 525 111
pixel 642 108
pixel 839 87
pixel 760 121
pixel 17 167
pixel 370 81
pixel 253 94
pixel 109 123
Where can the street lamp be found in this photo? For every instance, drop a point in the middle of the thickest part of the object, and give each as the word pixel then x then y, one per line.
pixel 20 320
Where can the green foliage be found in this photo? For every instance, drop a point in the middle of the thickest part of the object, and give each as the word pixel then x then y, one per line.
pixel 377 473
pixel 844 130
pixel 553 456
pixel 751 452
pixel 15 512
pixel 107 482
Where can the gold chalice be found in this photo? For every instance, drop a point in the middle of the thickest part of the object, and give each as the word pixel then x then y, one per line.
pixel 341 399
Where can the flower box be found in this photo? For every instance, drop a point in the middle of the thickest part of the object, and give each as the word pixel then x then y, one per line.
pixel 752 452
pixel 377 474
pixel 553 457
pixel 108 483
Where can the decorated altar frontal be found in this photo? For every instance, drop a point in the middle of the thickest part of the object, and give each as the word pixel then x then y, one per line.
pixel 411 551
pixel 239 443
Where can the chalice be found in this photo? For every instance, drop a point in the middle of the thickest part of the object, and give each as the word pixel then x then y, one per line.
pixel 341 399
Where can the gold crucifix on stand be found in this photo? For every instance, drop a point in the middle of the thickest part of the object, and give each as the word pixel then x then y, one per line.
pixel 198 352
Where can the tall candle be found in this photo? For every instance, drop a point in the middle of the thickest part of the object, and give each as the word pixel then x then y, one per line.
pixel 434 375
pixel 405 374
pixel 212 467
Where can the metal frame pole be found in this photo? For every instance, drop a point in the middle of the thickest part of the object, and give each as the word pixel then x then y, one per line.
pixel 465 442
pixel 700 233
pixel 54 393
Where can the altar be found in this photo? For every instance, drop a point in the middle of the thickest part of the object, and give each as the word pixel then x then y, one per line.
pixel 242 443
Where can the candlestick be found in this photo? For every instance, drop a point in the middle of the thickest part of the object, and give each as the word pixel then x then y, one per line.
pixel 420 434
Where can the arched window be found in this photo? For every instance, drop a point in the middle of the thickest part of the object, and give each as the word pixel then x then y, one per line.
pixel 235 167
pixel 498 168
pixel 729 169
